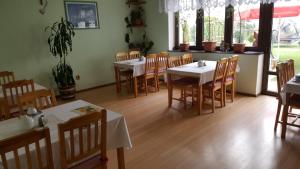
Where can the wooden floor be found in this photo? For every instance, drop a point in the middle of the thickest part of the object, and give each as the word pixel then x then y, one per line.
pixel 239 136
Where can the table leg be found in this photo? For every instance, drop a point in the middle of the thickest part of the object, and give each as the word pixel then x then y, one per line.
pixel 121 158
pixel 170 90
pixel 285 116
pixel 117 78
pixel 135 85
pixel 199 99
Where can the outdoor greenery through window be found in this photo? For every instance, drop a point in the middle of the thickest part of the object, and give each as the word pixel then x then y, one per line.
pixel 246 24
pixel 187 21
pixel 285 37
pixel 214 24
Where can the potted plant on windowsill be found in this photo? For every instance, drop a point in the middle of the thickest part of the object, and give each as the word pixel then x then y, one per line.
pixel 209 45
pixel 184 46
pixel 239 47
pixel 60 44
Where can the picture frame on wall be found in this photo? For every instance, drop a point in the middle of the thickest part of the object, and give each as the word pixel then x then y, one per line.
pixel 82 14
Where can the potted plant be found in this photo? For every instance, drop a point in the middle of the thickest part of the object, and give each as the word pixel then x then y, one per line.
pixel 209 45
pixel 136 17
pixel 184 46
pixel 60 44
pixel 239 47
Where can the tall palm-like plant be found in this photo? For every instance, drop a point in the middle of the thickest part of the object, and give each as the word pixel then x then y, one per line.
pixel 60 44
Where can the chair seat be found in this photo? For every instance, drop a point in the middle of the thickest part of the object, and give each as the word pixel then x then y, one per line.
pixel 94 162
pixel 229 80
pixel 210 85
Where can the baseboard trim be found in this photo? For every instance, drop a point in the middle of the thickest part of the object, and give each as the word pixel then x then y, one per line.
pixel 95 87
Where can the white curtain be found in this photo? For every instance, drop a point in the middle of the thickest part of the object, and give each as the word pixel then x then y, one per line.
pixel 181 5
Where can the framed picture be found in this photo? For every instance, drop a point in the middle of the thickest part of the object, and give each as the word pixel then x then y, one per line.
pixel 83 15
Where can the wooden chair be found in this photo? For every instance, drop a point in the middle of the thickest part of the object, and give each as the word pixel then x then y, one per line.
pixel 4 113
pixel 290 69
pixel 13 90
pixel 282 71
pixel 162 65
pixel 84 128
pixel 150 71
pixel 40 99
pixel 134 54
pixel 23 141
pixel 174 61
pixel 230 77
pixel 6 77
pixel 127 74
pixel 187 58
pixel 121 56
pixel 217 84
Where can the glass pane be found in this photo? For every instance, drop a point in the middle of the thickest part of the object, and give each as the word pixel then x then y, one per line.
pixel 246 24
pixel 214 23
pixel 286 33
pixel 187 21
pixel 272 83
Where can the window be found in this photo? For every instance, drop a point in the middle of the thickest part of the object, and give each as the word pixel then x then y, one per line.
pixel 214 21
pixel 187 20
pixel 246 24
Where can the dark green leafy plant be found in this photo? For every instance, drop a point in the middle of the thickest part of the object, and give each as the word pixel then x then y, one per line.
pixel 60 44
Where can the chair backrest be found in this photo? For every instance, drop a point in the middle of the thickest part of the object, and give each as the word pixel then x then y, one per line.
pixel 13 90
pixel 231 67
pixel 120 56
pixel 134 54
pixel 174 61
pixel 40 99
pixel 290 69
pixel 4 113
pixel 151 63
pixel 220 70
pixel 6 77
pixel 162 61
pixel 187 58
pixel 281 72
pixel 84 128
pixel 46 98
pixel 24 141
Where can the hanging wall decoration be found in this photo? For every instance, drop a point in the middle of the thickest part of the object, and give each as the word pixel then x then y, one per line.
pixel 83 15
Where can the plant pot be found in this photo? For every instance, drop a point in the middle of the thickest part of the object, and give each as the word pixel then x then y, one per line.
pixel 67 92
pixel 184 47
pixel 239 47
pixel 138 22
pixel 209 46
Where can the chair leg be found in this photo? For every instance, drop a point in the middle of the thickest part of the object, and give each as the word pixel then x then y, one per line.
pixel 128 84
pixel 184 99
pixel 213 100
pixel 277 115
pixel 232 91
pixel 146 86
pixel 224 88
pixel 156 83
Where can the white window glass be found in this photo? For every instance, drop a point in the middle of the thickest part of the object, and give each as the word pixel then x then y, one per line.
pixel 214 23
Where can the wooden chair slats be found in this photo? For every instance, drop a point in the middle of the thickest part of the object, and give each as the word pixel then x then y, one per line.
pixel 174 61
pixel 150 71
pixel 290 69
pixel 13 90
pixel 230 77
pixel 4 112
pixel 15 143
pixel 217 84
pixel 187 58
pixel 78 127
pixel 6 77
pixel 121 56
pixel 134 54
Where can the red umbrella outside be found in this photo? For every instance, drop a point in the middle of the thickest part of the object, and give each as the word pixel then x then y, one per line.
pixel 279 12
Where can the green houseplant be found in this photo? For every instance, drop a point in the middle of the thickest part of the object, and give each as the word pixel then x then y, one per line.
pixel 185 36
pixel 209 45
pixel 239 47
pixel 60 44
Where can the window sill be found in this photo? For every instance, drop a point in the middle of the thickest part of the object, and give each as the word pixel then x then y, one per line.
pixel 219 52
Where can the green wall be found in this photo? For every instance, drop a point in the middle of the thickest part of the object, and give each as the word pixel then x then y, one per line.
pixel 24 48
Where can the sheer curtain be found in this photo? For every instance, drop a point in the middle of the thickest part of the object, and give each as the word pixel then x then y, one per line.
pixel 180 5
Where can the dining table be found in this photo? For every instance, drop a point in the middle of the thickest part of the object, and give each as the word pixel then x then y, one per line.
pixel 204 74
pixel 137 67
pixel 117 133
pixel 290 88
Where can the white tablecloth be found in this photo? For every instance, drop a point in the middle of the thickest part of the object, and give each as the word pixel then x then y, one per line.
pixel 204 73
pixel 291 87
pixel 136 65
pixel 117 133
